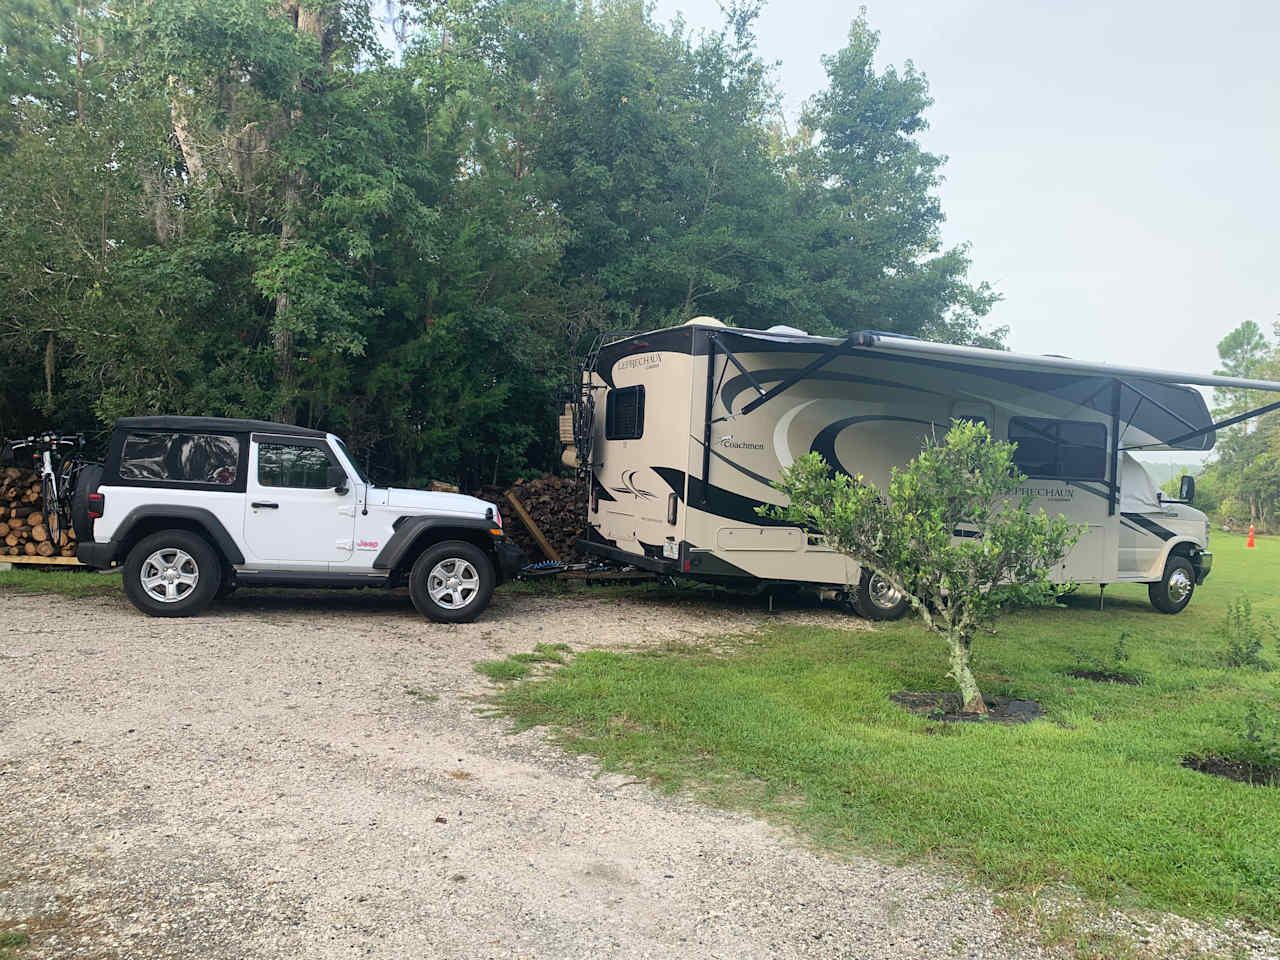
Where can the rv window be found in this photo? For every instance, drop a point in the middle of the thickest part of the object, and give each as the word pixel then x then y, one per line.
pixel 624 414
pixel 1068 449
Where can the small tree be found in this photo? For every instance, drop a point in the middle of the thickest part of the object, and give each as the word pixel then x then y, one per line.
pixel 957 585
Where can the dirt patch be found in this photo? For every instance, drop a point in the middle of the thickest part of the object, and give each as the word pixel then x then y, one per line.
pixel 1105 676
pixel 1232 769
pixel 946 707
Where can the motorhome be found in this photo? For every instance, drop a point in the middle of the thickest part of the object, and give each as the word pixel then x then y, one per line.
pixel 684 432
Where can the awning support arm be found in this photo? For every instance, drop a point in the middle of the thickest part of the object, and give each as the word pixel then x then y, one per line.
pixel 1113 487
pixel 737 363
pixel 1230 421
pixel 861 339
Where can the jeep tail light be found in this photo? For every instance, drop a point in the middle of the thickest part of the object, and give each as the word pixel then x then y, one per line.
pixel 672 500
pixel 97 502
pixel 595 496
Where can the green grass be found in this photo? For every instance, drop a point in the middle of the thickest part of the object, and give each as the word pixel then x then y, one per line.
pixel 795 723
pixel 70 583
pixel 10 940
pixel 520 665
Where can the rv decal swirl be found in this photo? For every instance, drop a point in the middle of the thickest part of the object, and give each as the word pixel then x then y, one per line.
pixel 628 480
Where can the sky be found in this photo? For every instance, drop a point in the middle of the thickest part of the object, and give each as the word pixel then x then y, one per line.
pixel 1113 166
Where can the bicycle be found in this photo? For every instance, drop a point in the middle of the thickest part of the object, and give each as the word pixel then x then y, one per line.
pixel 58 473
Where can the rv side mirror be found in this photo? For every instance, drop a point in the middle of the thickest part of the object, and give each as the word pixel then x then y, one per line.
pixel 337 478
pixel 1187 489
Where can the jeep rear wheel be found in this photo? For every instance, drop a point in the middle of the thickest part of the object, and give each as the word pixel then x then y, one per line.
pixel 451 582
pixel 173 573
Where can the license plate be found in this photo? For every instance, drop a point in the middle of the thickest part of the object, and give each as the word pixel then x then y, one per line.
pixel 671 550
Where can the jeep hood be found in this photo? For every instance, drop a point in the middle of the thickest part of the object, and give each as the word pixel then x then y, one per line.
pixel 428 501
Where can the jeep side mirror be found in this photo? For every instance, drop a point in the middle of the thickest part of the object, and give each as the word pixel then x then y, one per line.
pixel 1187 489
pixel 337 478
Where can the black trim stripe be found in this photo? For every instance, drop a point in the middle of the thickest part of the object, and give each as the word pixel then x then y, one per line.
pixel 1150 526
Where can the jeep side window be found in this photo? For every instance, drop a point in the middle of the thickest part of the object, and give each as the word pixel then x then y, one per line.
pixel 624 413
pixel 292 465
pixel 205 458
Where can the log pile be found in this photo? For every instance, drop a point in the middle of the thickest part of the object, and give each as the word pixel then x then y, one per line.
pixel 22 529
pixel 557 505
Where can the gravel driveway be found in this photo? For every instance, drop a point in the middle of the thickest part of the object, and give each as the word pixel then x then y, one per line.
pixel 307 777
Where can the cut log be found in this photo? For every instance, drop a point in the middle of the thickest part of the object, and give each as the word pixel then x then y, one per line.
pixel 45 549
pixel 29 548
pixel 39 533
pixel 529 524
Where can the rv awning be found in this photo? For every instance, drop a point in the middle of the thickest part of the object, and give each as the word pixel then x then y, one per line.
pixel 1157 409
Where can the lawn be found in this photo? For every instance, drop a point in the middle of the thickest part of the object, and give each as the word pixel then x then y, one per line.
pixel 795 723
pixel 75 582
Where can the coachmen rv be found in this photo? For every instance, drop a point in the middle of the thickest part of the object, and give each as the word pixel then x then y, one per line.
pixel 685 430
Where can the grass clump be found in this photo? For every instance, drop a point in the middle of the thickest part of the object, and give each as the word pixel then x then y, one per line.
pixel 517 666
pixel 10 941
pixel 1260 738
pixel 1245 635
pixel 1109 668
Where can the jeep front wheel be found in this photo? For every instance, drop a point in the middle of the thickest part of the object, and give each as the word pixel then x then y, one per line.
pixel 173 573
pixel 451 582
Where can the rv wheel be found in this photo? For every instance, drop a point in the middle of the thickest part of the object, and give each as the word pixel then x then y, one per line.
pixel 877 600
pixel 1174 590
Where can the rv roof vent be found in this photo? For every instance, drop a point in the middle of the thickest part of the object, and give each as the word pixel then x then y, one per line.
pixel 781 328
pixel 705 322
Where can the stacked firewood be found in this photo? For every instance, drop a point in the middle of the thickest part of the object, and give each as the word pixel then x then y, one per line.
pixel 557 505
pixel 22 528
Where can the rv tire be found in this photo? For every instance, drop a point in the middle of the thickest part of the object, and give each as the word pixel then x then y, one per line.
pixel 876 600
pixel 1173 591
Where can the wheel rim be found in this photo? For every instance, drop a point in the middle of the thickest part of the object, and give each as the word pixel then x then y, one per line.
pixel 882 593
pixel 1180 585
pixel 169 575
pixel 453 583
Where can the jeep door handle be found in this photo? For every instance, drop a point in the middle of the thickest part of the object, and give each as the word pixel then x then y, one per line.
pixel 263 505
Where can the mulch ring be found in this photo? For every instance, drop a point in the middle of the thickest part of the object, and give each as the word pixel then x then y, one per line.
pixel 1105 676
pixel 1239 770
pixel 946 707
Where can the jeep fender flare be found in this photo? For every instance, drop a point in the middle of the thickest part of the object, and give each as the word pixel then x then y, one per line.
pixel 413 530
pixel 208 523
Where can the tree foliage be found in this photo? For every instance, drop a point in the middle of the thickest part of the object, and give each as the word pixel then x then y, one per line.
pixel 230 207
pixel 1241 486
pixel 949 533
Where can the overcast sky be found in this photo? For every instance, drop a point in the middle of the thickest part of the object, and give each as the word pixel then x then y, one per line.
pixel 1115 166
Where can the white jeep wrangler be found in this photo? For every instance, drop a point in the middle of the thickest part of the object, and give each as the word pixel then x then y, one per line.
pixel 193 507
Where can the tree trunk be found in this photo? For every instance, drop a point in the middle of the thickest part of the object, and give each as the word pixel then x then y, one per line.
pixel 960 672
pixel 49 357
pixel 281 335
pixel 306 19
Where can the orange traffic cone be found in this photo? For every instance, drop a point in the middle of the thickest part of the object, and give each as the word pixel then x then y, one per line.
pixel 1249 543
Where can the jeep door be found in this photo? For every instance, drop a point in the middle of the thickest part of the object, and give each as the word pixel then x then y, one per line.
pixel 293 515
